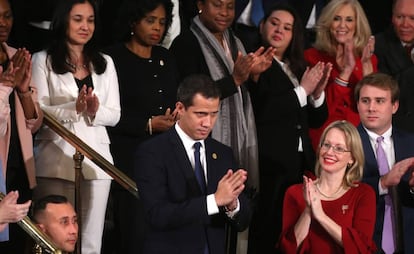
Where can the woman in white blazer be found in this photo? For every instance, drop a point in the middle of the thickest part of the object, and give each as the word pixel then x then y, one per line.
pixel 79 87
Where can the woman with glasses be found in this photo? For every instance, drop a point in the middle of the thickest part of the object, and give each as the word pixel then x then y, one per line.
pixel 334 213
pixel 287 98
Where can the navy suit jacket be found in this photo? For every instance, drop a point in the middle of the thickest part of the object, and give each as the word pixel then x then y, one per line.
pixel 403 148
pixel 175 208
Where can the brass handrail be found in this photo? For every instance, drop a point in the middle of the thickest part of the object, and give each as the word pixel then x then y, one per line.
pixel 91 154
pixel 40 238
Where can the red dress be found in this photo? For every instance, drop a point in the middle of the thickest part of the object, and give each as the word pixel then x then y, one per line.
pixel 354 212
pixel 340 99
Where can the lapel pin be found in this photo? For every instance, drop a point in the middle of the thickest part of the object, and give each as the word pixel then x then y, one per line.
pixel 344 208
pixel 214 155
pixel 161 62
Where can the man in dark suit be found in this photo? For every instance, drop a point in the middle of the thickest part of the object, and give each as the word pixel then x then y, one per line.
pixel 377 99
pixel 183 216
pixel 393 48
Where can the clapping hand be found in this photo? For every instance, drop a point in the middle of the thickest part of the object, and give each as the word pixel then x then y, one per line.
pixel 229 188
pixel 23 69
pixel 393 177
pixel 164 122
pixel 262 61
pixel 242 67
pixel 326 73
pixel 87 102
pixel 10 211
pixel 367 53
pixel 7 77
pixel 312 197
pixel 345 59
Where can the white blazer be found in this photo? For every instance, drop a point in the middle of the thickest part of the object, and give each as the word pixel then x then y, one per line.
pixel 57 96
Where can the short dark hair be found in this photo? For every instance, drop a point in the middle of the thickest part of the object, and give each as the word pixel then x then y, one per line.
pixel 40 205
pixel 379 80
pixel 133 11
pixel 197 84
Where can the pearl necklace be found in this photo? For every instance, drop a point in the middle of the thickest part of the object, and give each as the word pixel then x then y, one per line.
pixel 327 196
pixel 74 66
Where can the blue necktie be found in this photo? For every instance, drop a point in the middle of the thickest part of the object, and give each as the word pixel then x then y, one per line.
pixel 387 231
pixel 4 235
pixel 257 12
pixel 199 173
pixel 198 168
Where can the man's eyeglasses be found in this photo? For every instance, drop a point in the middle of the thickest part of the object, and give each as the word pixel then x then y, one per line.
pixel 336 149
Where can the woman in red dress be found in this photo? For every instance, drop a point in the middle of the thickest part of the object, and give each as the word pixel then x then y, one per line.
pixel 334 213
pixel 343 39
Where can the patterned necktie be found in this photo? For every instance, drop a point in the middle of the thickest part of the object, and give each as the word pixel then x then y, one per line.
pixel 257 12
pixel 4 235
pixel 388 244
pixel 198 168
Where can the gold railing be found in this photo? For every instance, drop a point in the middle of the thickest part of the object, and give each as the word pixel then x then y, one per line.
pixel 91 154
pixel 38 236
pixel 82 149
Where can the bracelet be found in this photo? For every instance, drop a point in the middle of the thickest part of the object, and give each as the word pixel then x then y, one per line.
pixel 341 82
pixel 150 125
pixel 26 94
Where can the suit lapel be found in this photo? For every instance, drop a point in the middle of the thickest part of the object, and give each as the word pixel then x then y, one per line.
pixel 183 162
pixel 212 159
pixel 370 159
pixel 67 80
pixel 397 50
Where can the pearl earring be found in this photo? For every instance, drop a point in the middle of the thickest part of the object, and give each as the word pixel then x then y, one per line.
pixel 132 33
pixel 200 11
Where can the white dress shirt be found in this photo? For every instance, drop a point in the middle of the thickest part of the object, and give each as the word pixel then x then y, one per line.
pixel 188 142
pixel 388 146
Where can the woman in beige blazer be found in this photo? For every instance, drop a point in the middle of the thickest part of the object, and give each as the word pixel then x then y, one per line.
pixel 20 118
pixel 77 85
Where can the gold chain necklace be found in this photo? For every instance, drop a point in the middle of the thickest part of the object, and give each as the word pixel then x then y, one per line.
pixel 327 196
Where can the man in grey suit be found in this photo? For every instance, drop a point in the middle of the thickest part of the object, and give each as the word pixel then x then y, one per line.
pixel 377 100
pixel 183 215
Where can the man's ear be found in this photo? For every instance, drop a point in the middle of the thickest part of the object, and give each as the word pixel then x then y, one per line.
pixel 395 106
pixel 179 106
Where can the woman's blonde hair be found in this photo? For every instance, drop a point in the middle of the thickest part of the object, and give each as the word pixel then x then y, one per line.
pixel 353 171
pixel 326 42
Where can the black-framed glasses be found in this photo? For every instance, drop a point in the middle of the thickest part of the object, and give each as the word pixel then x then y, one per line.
pixel 336 149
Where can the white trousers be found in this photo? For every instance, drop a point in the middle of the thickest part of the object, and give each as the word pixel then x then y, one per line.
pixel 94 198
